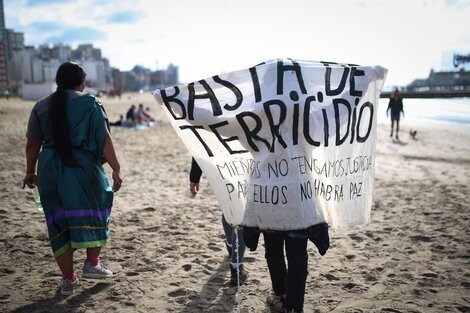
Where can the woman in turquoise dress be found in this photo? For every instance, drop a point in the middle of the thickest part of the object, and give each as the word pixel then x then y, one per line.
pixel 68 139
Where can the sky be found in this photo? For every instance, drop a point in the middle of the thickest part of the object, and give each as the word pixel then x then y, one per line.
pixel 208 37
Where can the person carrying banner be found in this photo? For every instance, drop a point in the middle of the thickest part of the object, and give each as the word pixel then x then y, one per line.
pixel 288 281
pixel 230 235
pixel 72 129
pixel 283 145
pixel 395 106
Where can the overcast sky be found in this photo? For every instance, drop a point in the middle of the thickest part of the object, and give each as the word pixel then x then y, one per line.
pixel 207 37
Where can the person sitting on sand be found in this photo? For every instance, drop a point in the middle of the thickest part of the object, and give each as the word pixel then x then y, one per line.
pixel 147 114
pixel 142 116
pixel 72 129
pixel 236 262
pixel 131 119
pixel 118 122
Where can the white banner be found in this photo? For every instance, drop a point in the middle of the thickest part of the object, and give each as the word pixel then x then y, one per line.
pixel 285 144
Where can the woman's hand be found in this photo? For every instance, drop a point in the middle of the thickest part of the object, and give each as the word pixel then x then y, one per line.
pixel 117 181
pixel 29 180
pixel 194 188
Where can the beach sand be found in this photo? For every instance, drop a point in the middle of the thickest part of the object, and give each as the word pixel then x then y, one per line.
pixel 167 249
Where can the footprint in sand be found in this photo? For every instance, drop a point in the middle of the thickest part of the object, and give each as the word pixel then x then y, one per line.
pixel 330 277
pixel 6 271
pixel 132 274
pixel 215 248
pixel 421 238
pixel 349 286
pixel 179 292
pixel 356 238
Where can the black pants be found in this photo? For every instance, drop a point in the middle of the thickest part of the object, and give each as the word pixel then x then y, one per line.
pixel 288 281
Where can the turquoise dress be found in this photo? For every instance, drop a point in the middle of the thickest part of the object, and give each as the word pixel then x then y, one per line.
pixel 77 201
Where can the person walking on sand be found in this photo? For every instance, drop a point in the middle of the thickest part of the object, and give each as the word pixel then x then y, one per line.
pixel 395 106
pixel 236 263
pixel 288 280
pixel 72 129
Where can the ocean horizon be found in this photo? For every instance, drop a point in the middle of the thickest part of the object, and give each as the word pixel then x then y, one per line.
pixel 448 110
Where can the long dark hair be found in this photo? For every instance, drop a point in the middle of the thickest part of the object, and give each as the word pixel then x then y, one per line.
pixel 69 76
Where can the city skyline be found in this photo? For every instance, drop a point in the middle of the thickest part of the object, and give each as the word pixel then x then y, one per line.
pixel 209 37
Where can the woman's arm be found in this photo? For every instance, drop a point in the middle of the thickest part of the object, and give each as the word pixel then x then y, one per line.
pixel 110 156
pixel 33 146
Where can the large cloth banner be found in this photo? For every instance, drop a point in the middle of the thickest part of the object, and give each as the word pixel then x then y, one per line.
pixel 285 144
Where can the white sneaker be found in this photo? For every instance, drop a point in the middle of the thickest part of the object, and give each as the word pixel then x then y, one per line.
pixel 68 287
pixel 98 271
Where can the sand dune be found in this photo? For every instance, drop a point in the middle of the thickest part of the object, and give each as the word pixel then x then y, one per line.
pixel 167 249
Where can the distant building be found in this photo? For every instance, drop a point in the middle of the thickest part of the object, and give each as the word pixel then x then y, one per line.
pixel 3 53
pixel 23 67
pixel 454 76
pixel 440 81
pixel 58 51
pixel 129 81
pixel 118 81
pixel 453 61
pixel 36 67
pixel 171 75
pixel 157 79
pixel 12 42
pixel 3 68
pixel 95 73
pixel 37 91
pixel 86 52
pixel 143 78
pixel 50 68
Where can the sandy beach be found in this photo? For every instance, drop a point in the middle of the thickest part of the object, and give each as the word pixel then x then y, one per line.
pixel 167 250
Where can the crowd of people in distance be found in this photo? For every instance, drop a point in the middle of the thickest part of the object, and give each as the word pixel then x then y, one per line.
pixel 136 117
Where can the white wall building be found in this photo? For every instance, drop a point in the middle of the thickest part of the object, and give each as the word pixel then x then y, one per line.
pixel 95 73
pixel 37 66
pixel 50 69
pixel 37 91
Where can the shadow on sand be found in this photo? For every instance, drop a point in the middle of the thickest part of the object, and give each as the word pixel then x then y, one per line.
pixel 61 304
pixel 216 284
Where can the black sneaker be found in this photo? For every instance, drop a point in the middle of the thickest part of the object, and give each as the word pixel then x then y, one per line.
pixel 233 275
pixel 276 303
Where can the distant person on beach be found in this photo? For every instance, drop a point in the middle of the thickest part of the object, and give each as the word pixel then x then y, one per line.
pixel 118 122
pixel 72 129
pixel 140 116
pixel 395 106
pixel 143 117
pixel 147 114
pixel 236 265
